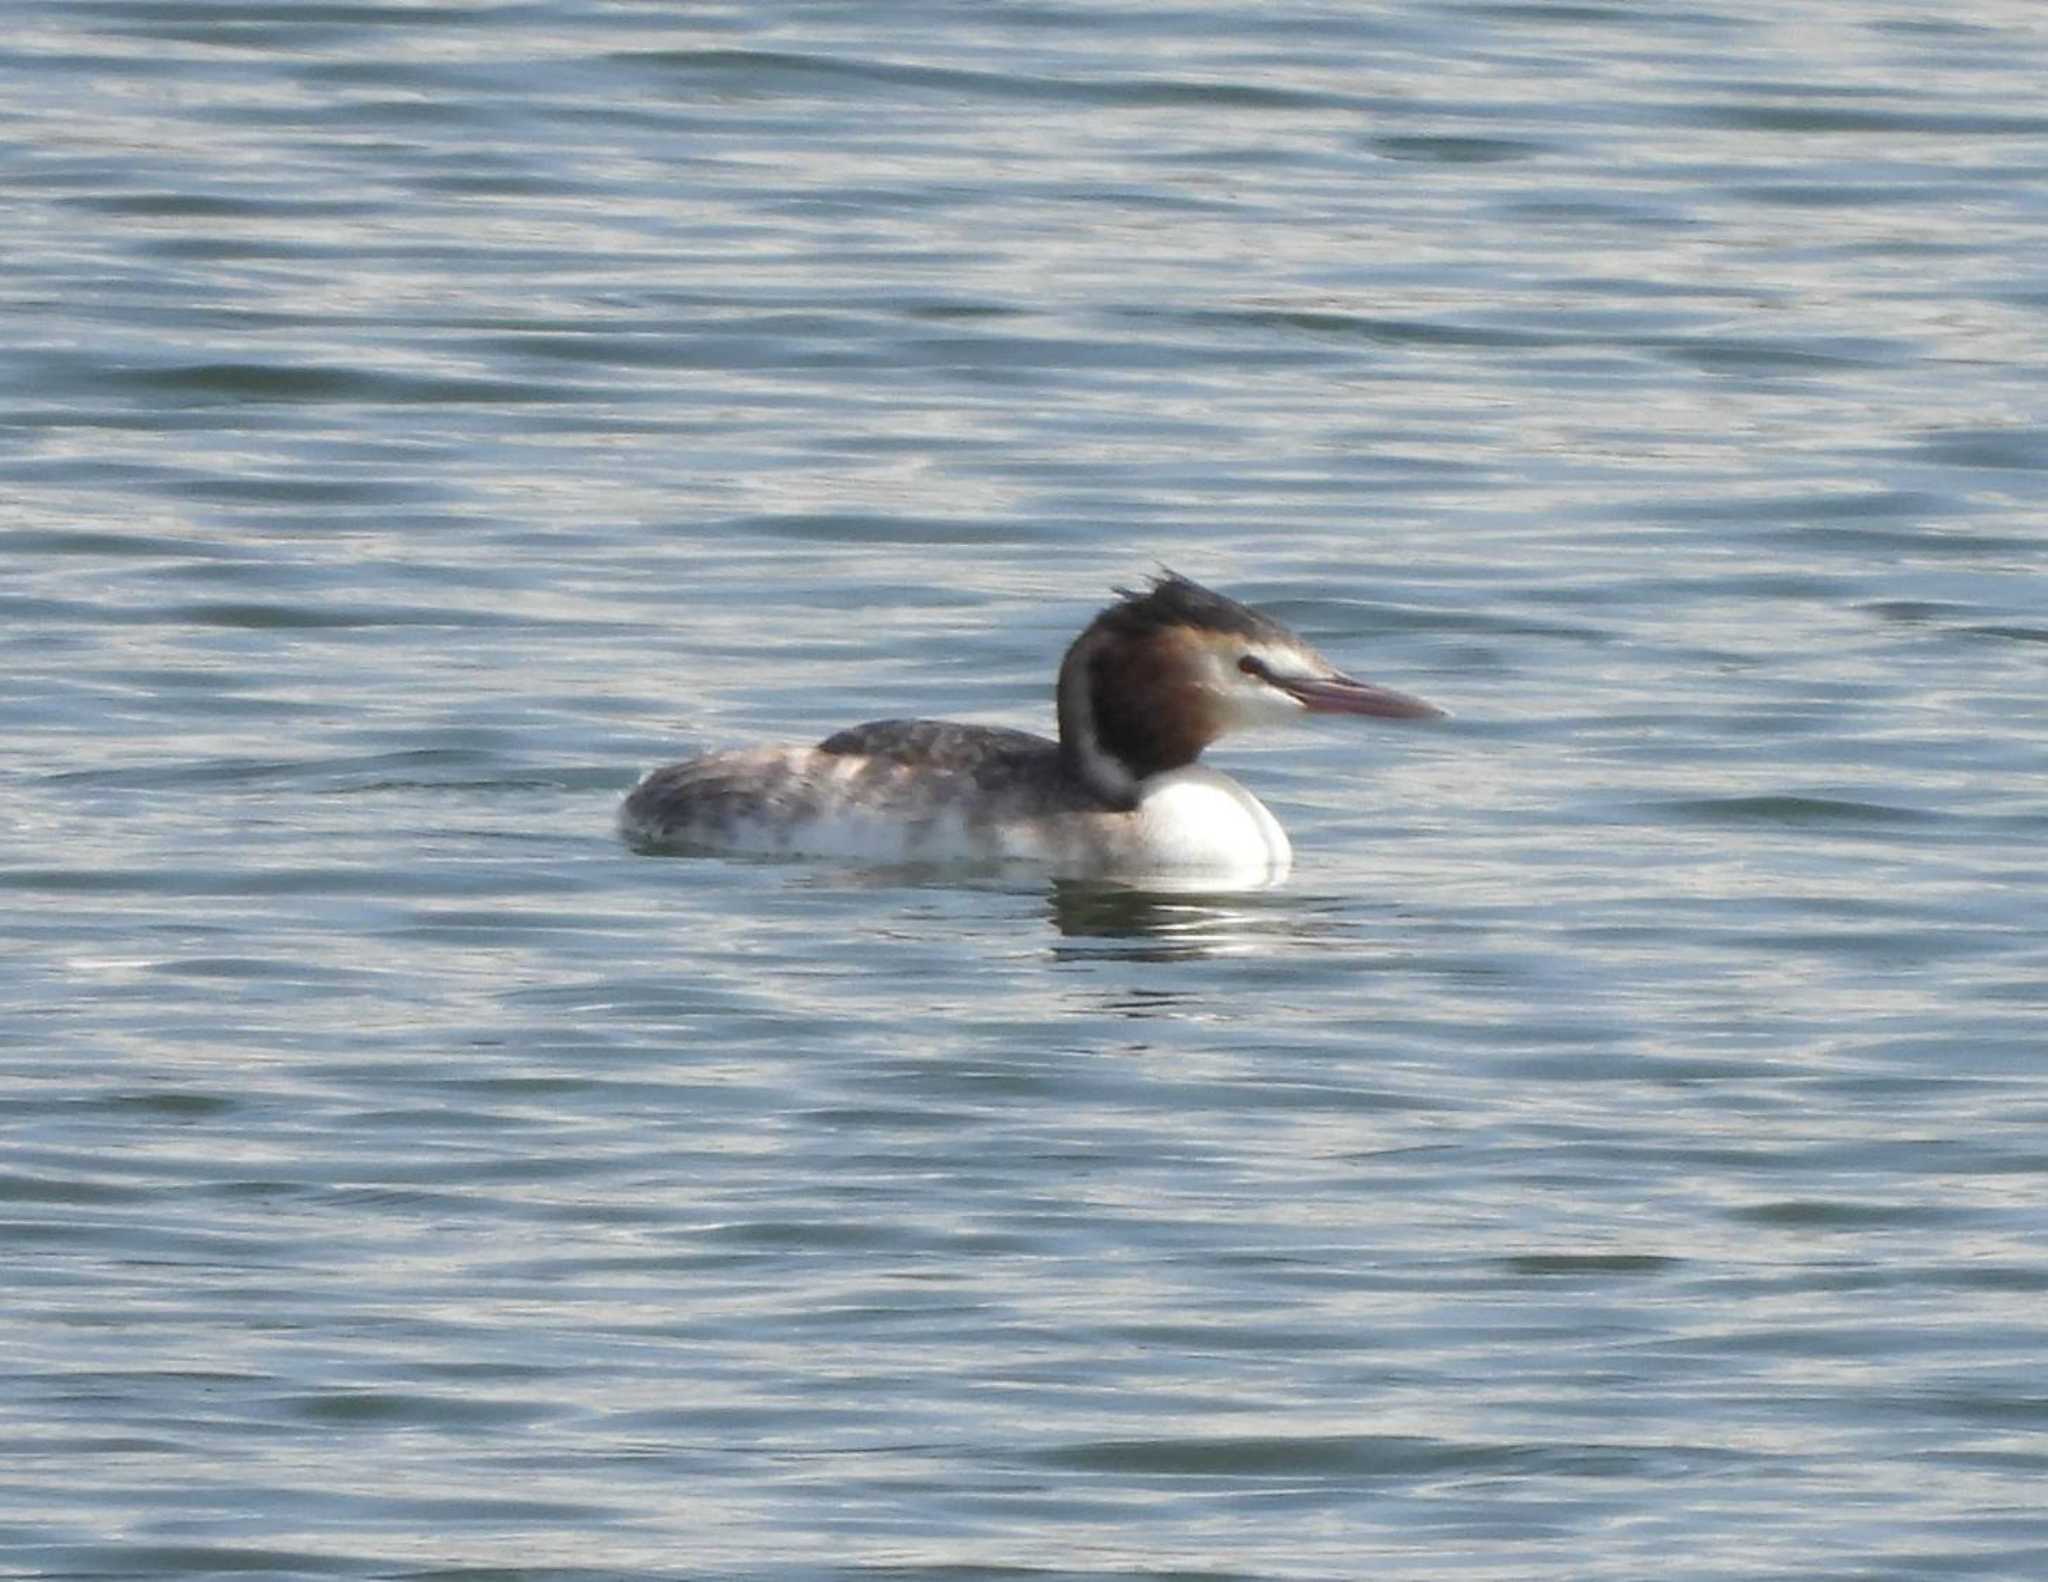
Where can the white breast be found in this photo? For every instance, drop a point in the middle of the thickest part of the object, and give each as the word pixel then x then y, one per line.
pixel 1196 819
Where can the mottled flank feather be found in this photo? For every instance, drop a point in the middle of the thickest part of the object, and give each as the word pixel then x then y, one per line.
pixel 900 789
pixel 940 745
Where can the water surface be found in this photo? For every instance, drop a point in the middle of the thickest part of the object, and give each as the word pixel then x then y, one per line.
pixel 1617 1151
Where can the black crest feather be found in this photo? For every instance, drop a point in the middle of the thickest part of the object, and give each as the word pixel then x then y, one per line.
pixel 1174 600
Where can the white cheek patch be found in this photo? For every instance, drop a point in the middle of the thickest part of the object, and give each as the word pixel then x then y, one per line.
pixel 1289 664
pixel 1254 700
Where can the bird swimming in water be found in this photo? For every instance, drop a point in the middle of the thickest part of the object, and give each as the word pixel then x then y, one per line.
pixel 1154 679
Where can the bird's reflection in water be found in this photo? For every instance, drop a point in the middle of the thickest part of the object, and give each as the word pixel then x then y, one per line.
pixel 1157 918
pixel 1099 920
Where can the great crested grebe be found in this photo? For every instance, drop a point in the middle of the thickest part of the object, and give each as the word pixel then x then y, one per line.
pixel 1153 680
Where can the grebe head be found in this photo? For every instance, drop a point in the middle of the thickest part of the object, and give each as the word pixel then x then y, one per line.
pixel 1166 670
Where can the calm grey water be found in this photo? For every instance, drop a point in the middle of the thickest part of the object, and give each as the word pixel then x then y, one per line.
pixel 1620 1151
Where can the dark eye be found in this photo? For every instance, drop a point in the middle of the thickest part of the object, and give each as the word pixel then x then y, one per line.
pixel 1252 665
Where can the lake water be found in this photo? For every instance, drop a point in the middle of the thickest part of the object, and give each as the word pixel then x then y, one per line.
pixel 1621 1149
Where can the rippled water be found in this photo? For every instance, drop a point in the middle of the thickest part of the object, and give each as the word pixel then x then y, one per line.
pixel 1618 1152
